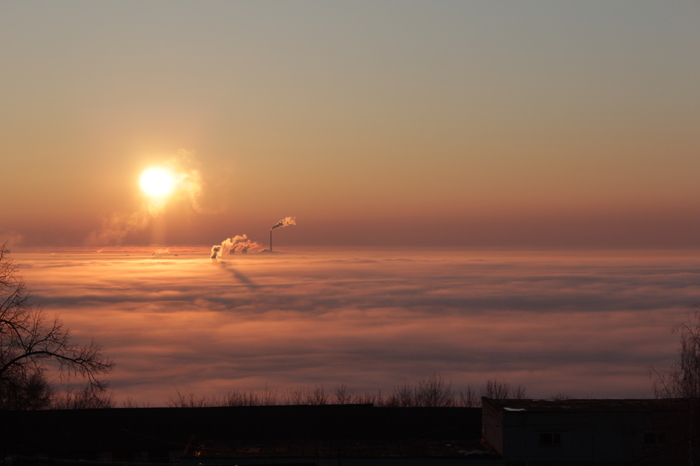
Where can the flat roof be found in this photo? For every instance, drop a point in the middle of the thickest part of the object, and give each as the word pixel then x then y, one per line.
pixel 589 405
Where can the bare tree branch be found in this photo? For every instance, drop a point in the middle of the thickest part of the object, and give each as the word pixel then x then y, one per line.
pixel 30 344
pixel 682 380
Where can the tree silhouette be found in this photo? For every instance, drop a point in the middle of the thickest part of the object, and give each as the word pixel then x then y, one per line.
pixel 682 380
pixel 31 344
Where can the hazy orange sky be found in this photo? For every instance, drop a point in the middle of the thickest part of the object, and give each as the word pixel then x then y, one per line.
pixel 538 123
pixel 478 126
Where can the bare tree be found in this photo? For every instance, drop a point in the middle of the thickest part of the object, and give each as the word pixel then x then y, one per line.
pixel 468 397
pixel 295 396
pixel 495 389
pixel 30 344
pixel 518 393
pixel 240 398
pixel 682 380
pixel 370 398
pixel 431 392
pixel 131 403
pixel 83 398
pixel 342 396
pixel 560 396
pixel 434 392
pixel 402 396
pixel 269 397
pixel 317 396
pixel 502 390
pixel 190 400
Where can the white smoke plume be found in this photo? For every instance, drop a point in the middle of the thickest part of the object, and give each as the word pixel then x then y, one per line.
pixel 285 222
pixel 117 226
pixel 230 245
pixel 245 245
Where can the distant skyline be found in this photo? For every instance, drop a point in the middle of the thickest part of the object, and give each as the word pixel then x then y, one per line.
pixel 543 124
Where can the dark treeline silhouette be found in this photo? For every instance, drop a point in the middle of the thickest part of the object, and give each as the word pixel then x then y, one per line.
pixel 34 346
pixel 431 392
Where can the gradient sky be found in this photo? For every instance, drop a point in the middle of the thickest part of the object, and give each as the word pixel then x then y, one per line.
pixel 439 132
pixel 463 123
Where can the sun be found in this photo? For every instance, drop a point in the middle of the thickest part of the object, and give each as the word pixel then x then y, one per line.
pixel 157 182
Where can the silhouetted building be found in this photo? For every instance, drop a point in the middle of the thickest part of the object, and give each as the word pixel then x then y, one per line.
pixel 504 432
pixel 310 435
pixel 601 432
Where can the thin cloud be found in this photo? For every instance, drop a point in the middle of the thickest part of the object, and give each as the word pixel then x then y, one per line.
pixel 587 325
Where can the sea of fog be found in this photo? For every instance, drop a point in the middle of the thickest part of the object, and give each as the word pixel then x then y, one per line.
pixel 584 323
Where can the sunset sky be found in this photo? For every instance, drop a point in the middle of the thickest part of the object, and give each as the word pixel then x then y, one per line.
pixel 481 188
pixel 450 123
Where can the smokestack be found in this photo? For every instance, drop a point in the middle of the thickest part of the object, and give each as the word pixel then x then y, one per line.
pixel 285 222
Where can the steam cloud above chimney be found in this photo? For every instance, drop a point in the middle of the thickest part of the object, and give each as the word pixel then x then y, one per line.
pixel 230 245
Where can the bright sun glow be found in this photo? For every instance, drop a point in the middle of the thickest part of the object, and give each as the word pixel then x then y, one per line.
pixel 157 182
